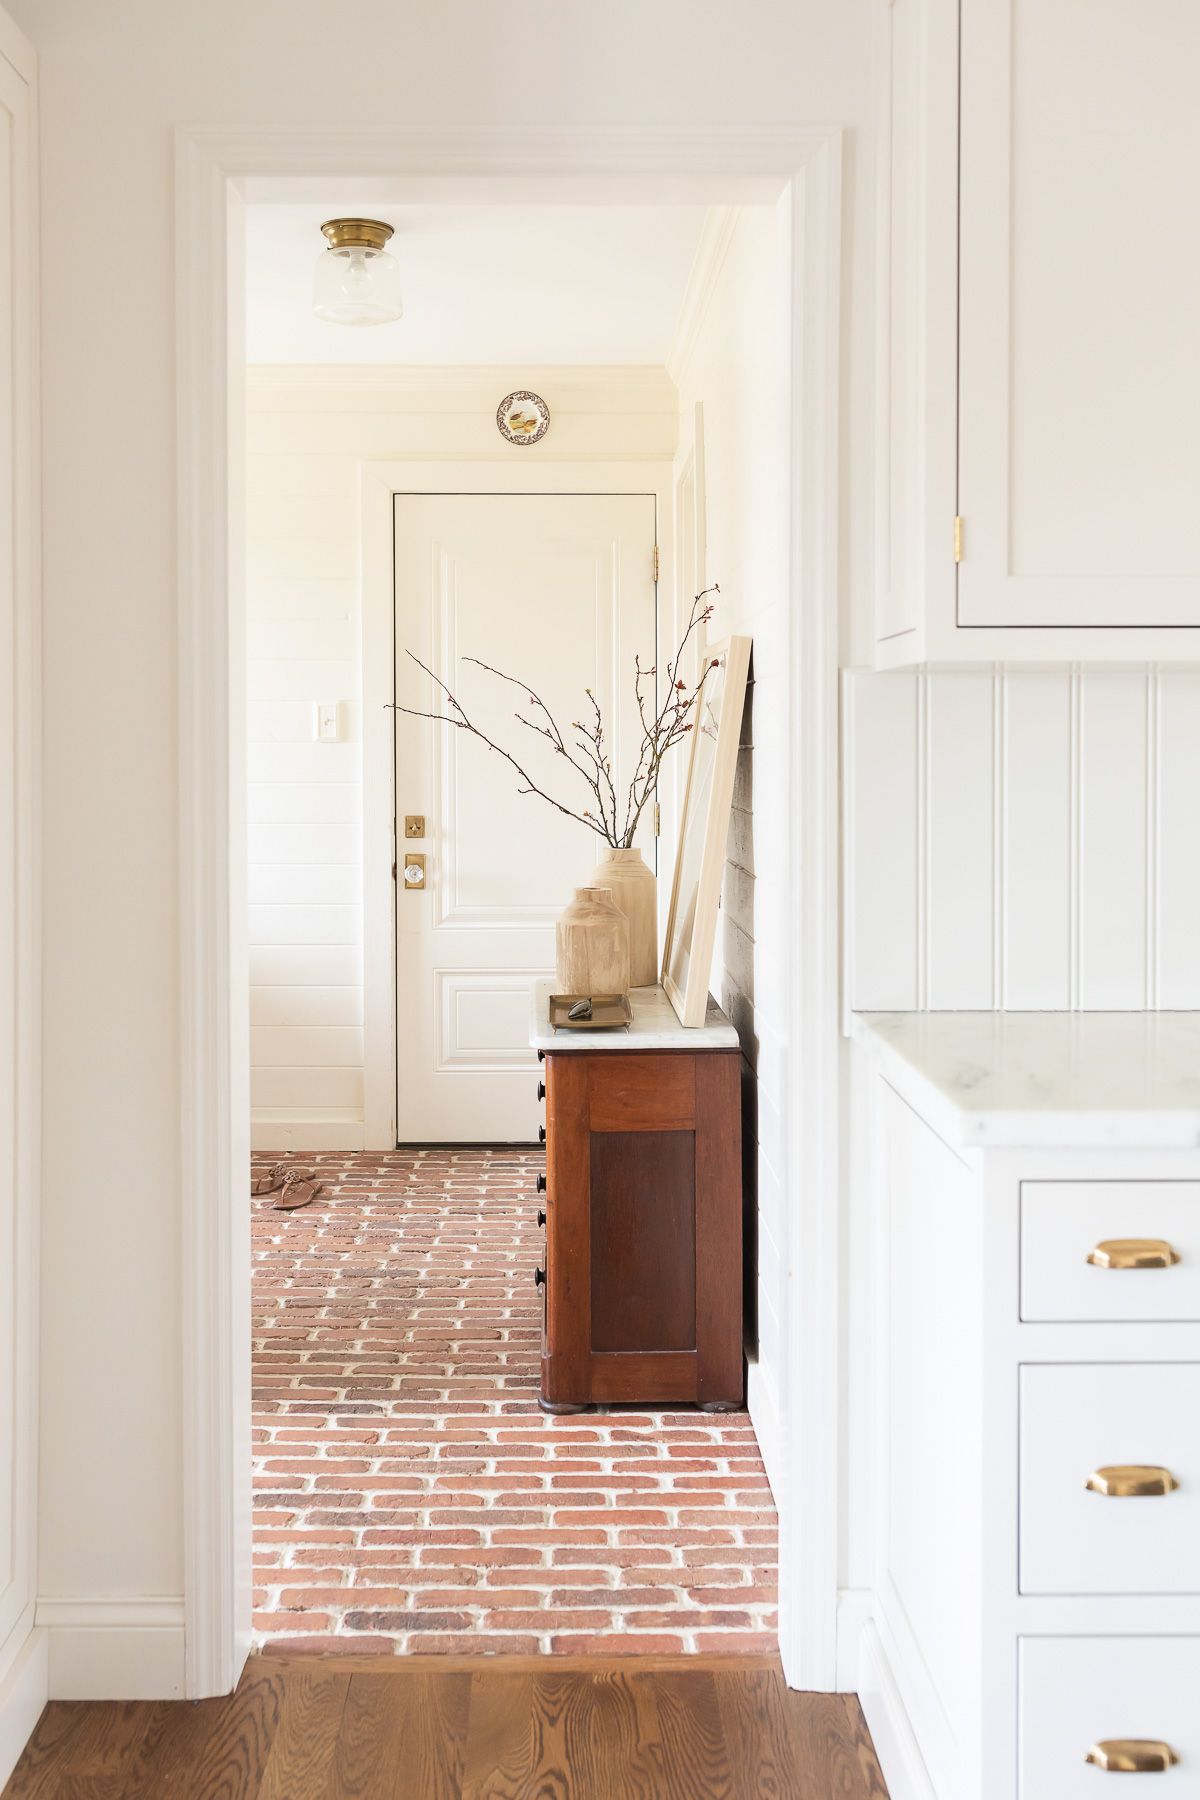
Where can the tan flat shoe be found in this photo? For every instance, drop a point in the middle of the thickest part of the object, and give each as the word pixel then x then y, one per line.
pixel 299 1189
pixel 270 1179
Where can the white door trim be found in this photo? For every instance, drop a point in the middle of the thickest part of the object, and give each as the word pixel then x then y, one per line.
pixel 705 162
pixel 380 482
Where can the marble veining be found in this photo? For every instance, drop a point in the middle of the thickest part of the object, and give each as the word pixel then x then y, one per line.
pixel 1020 1078
pixel 655 1026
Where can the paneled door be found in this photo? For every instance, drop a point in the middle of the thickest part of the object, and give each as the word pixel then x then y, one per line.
pixel 557 591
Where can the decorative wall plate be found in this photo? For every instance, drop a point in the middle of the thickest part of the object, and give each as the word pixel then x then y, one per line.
pixel 522 417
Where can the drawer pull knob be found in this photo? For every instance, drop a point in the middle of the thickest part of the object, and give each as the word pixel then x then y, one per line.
pixel 539 1278
pixel 541 1090
pixel 541 1184
pixel 1132 1756
pixel 1122 1481
pixel 1133 1253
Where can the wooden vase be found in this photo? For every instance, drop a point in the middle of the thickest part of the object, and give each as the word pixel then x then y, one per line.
pixel 635 890
pixel 592 944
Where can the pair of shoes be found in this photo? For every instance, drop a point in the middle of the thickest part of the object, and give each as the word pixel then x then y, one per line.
pixel 297 1187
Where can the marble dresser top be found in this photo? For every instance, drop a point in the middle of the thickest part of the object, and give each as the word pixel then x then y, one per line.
pixel 655 1026
pixel 1045 1079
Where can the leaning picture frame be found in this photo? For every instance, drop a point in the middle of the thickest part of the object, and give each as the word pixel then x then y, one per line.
pixel 700 854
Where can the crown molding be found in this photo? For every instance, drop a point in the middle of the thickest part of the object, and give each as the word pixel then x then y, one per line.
pixel 719 226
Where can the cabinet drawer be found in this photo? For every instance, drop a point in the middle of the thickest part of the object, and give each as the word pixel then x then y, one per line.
pixel 1077 1692
pixel 1063 1222
pixel 1077 1418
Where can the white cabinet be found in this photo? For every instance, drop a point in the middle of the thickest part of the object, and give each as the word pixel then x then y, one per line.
pixel 1077 1693
pixel 1039 356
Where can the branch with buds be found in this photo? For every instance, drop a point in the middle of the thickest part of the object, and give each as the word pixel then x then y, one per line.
pixel 584 745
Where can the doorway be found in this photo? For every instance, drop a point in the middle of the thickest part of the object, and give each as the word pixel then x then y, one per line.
pixel 802 167
pixel 558 589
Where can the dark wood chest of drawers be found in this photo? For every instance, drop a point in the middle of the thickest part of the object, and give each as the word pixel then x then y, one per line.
pixel 643 1279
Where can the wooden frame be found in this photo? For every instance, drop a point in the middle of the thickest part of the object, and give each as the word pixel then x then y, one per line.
pixel 691 1001
pixel 798 167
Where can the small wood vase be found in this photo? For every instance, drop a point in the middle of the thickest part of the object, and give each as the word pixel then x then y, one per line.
pixel 592 944
pixel 635 890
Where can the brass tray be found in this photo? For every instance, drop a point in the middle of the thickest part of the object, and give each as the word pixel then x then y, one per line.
pixel 609 1012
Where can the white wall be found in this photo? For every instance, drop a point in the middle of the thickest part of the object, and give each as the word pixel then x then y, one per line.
pixel 732 367
pixel 309 432
pixel 115 81
pixel 1023 838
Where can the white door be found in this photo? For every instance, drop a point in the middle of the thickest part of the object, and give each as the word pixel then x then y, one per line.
pixel 1079 356
pixel 557 590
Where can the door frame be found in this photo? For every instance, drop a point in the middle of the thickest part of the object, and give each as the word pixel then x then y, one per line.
pixel 380 483
pixel 216 168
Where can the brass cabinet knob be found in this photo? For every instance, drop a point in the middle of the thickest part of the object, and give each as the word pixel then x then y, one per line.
pixel 1133 1253
pixel 1123 1481
pixel 1132 1756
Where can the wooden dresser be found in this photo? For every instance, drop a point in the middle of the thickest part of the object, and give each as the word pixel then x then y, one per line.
pixel 643 1211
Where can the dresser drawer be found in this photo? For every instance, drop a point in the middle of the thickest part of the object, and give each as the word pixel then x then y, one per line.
pixel 1080 1692
pixel 1080 1418
pixel 1063 1222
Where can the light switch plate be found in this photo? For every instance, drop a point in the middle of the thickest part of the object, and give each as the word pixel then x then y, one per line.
pixel 327 721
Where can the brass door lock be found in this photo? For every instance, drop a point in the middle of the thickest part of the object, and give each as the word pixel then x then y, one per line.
pixel 414 872
pixel 414 825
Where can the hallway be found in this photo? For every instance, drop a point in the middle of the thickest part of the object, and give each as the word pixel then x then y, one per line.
pixel 409 1493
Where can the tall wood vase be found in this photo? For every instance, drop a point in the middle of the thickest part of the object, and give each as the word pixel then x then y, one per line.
pixel 635 890
pixel 592 944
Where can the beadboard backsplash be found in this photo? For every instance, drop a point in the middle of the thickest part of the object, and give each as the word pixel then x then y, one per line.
pixel 1022 838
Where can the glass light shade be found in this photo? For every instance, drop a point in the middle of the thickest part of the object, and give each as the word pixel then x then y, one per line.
pixel 356 285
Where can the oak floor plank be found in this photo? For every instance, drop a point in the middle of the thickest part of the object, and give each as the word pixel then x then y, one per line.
pixel 400 1740
pixel 757 1736
pixel 469 1729
pixel 575 1735
pixel 826 1747
pixel 302 1751
pixel 695 1756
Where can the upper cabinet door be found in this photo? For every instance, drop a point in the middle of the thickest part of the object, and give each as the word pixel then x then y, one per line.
pixel 1079 319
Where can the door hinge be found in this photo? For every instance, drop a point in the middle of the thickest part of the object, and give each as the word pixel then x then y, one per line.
pixel 656 562
pixel 657 819
pixel 958 524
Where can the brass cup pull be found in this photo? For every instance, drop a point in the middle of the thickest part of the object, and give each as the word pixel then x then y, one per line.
pixel 1133 1253
pixel 1123 1481
pixel 1132 1756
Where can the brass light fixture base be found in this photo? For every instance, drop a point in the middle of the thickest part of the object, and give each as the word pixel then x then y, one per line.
pixel 362 234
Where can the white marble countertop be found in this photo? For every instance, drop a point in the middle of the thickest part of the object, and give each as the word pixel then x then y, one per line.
pixel 1045 1079
pixel 655 1026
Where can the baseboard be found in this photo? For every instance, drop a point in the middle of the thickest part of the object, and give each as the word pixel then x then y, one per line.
pixel 853 1616
pixel 114 1649
pixel 763 1407
pixel 306 1134
pixel 895 1745
pixel 24 1691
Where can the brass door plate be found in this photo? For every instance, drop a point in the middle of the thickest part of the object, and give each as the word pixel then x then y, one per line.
pixel 414 825
pixel 414 873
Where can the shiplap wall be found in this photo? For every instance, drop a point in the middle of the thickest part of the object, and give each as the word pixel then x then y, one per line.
pixel 1023 838
pixel 309 432
pixel 732 370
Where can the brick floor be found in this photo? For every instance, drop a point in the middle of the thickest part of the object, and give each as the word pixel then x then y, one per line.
pixel 409 1493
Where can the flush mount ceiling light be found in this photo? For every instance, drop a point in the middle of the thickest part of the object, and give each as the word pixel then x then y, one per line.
pixel 357 282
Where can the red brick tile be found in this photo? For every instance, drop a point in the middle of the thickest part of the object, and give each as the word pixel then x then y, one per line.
pixel 411 1497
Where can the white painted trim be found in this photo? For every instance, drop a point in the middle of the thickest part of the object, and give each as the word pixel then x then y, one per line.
pixel 720 223
pixel 24 1691
pixel 286 1135
pixel 762 1403
pixel 855 1610
pixel 895 1745
pixel 380 482
pixel 16 48
pixel 809 1528
pixel 650 382
pixel 732 164
pixel 101 1649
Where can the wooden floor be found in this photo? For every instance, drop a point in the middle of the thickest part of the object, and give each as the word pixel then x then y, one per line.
pixel 445 1728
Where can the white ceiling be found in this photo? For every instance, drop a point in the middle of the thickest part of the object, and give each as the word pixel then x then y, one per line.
pixel 481 284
